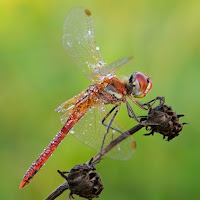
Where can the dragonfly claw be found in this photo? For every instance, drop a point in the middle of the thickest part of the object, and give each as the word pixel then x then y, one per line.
pixel 151 133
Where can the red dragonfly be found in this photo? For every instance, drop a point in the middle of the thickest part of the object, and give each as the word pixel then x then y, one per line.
pixel 85 115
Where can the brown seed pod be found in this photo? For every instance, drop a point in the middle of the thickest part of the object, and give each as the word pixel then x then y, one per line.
pixel 83 181
pixel 166 122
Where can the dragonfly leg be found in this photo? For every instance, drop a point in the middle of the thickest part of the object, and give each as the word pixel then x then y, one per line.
pixel 141 116
pixel 132 115
pixel 117 107
pixel 151 133
pixel 70 196
pixel 114 129
pixel 107 115
pixel 152 102
pixel 62 174
pixel 148 105
pixel 131 112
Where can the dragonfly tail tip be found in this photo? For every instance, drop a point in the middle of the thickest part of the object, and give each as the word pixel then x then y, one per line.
pixel 22 184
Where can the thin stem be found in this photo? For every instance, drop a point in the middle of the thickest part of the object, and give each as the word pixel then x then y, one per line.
pixel 58 191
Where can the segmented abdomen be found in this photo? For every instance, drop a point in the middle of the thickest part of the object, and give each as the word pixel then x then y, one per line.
pixel 81 109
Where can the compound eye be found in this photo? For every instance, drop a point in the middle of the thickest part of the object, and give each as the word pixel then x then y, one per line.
pixel 143 83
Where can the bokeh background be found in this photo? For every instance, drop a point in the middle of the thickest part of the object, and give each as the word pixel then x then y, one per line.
pixel 36 75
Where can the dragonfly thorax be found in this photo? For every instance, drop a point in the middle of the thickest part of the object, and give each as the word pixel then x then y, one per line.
pixel 113 91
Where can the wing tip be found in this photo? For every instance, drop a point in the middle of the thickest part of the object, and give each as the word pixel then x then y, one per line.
pixel 87 12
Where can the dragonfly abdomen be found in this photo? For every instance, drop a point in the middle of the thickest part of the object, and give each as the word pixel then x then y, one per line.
pixel 79 111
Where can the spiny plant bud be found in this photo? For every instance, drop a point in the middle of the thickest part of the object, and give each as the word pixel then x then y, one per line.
pixel 166 122
pixel 83 181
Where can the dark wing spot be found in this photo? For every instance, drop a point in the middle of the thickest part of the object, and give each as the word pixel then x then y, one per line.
pixel 87 12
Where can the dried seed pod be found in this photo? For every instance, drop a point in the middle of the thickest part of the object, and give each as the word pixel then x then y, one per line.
pixel 83 181
pixel 167 121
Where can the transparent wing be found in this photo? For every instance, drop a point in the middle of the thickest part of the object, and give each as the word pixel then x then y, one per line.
pixel 90 131
pixel 109 70
pixel 79 41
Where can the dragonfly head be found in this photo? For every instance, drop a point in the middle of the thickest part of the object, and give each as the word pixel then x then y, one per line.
pixel 139 84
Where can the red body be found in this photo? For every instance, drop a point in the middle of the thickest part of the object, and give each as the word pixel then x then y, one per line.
pixel 73 118
pixel 50 149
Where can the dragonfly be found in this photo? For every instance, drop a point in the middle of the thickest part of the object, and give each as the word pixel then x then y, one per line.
pixel 86 115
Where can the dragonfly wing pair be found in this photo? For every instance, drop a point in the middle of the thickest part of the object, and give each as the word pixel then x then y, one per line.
pixel 80 44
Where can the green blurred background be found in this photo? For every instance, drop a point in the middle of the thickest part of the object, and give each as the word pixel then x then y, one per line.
pixel 36 75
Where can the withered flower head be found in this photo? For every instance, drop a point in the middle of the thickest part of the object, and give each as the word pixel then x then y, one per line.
pixel 83 181
pixel 166 121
